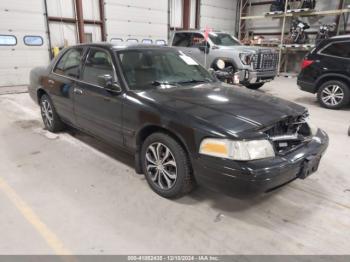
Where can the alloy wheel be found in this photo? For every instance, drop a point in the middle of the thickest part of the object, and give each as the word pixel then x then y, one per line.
pixel 47 113
pixel 161 166
pixel 332 95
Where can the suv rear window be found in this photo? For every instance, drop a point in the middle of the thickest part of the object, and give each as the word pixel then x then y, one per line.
pixel 339 49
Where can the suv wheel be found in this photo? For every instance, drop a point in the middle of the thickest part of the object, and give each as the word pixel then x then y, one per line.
pixel 166 166
pixel 255 86
pixel 334 94
pixel 50 118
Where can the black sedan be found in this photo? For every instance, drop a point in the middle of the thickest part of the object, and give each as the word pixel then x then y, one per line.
pixel 183 125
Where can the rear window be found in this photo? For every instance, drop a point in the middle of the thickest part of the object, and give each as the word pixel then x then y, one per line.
pixel 182 39
pixel 8 40
pixel 33 40
pixel 340 49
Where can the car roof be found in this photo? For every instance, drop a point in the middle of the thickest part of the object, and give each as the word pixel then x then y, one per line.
pixel 199 31
pixel 124 45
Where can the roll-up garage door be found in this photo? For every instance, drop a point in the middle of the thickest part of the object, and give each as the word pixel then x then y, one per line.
pixel 137 21
pixel 23 40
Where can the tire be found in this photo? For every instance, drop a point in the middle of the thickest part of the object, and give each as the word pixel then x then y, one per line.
pixel 49 115
pixel 333 94
pixel 254 86
pixel 178 171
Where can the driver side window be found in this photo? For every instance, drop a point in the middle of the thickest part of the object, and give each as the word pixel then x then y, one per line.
pixel 198 40
pixel 98 63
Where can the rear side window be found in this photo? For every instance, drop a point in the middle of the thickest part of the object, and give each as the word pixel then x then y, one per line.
pixel 33 40
pixel 182 39
pixel 69 63
pixel 98 64
pixel 340 49
pixel 8 40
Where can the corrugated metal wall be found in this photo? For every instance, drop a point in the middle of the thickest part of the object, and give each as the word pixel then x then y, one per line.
pixel 19 19
pixel 136 19
pixel 219 15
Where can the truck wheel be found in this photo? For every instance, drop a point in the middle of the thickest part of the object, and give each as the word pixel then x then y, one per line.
pixel 49 115
pixel 254 86
pixel 166 166
pixel 333 94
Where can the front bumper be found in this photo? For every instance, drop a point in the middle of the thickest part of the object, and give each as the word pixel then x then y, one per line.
pixel 241 179
pixel 255 77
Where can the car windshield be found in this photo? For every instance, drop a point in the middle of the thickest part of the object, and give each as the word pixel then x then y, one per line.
pixel 223 39
pixel 148 68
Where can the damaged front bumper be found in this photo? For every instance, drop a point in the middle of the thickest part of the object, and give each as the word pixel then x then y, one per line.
pixel 238 178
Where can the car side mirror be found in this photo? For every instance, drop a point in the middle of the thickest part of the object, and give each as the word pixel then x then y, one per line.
pixel 107 82
pixel 204 49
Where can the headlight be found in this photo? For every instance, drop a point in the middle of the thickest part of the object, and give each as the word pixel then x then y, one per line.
pixel 237 150
pixel 220 64
pixel 246 58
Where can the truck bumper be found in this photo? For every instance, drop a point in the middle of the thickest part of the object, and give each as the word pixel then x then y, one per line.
pixel 255 77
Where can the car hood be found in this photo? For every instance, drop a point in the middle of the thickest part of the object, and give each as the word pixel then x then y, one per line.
pixel 243 48
pixel 230 108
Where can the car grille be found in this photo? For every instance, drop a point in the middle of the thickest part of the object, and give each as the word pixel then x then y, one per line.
pixel 265 61
pixel 289 134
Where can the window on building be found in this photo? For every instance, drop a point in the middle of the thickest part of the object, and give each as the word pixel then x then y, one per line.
pixel 88 37
pixel 340 49
pixel 33 40
pixel 147 41
pixel 9 40
pixel 98 63
pixel 160 42
pixel 117 40
pixel 69 63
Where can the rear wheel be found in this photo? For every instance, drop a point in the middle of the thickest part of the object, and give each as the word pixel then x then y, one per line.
pixel 254 86
pixel 49 115
pixel 334 94
pixel 166 166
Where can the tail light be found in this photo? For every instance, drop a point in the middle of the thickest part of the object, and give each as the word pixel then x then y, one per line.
pixel 306 63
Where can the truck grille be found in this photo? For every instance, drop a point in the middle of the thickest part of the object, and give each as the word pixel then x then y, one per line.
pixel 289 134
pixel 265 61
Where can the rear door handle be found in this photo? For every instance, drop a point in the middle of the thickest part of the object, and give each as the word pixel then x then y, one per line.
pixel 78 91
pixel 51 81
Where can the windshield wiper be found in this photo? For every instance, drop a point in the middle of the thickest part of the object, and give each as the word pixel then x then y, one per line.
pixel 160 83
pixel 190 81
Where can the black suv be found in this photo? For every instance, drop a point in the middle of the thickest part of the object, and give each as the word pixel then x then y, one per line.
pixel 326 71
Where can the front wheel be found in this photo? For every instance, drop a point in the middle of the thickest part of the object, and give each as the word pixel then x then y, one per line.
pixel 49 115
pixel 334 94
pixel 166 166
pixel 254 86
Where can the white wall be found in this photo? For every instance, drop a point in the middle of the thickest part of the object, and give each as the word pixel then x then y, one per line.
pixel 136 19
pixel 21 18
pixel 218 14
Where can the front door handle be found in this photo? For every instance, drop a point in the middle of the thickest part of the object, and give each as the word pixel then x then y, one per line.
pixel 77 91
pixel 50 81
